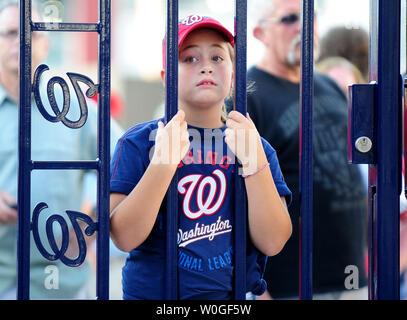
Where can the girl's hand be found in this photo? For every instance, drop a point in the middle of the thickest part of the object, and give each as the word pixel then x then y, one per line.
pixel 172 141
pixel 242 138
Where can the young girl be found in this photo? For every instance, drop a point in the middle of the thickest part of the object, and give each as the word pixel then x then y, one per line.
pixel 201 146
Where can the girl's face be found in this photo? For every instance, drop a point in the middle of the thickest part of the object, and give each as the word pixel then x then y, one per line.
pixel 205 70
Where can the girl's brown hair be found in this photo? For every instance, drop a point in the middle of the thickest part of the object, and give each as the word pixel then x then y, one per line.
pixel 224 114
pixel 250 85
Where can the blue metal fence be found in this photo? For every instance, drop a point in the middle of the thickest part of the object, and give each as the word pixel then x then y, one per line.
pixel 171 108
pixel 27 165
pixel 375 139
pixel 384 172
pixel 240 190
pixel 305 152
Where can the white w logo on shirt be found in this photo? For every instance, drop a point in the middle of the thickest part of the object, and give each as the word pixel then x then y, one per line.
pixel 208 206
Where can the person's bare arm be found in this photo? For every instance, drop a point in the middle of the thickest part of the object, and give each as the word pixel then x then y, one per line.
pixel 269 222
pixel 133 216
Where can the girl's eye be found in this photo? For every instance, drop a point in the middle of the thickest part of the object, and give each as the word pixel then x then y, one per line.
pixel 190 59
pixel 217 58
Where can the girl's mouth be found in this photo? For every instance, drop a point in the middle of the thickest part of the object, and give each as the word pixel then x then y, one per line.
pixel 206 83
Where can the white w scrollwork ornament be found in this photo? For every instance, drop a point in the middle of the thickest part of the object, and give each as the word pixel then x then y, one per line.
pixel 59 249
pixel 60 252
pixel 58 114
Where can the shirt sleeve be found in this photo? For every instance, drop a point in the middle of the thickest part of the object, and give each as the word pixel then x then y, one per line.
pixel 278 177
pixel 115 133
pixel 127 166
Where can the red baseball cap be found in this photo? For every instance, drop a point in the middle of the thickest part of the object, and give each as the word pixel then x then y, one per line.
pixel 194 22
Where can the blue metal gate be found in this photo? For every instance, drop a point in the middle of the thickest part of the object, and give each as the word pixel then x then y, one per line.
pixel 101 164
pixel 171 73
pixel 385 173
pixel 381 125
pixel 375 139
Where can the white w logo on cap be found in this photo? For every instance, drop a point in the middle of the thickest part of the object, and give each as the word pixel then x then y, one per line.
pixel 190 20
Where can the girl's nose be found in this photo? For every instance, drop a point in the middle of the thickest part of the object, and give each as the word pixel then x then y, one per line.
pixel 206 69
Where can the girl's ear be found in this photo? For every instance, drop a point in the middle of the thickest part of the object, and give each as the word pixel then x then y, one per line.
pixel 163 77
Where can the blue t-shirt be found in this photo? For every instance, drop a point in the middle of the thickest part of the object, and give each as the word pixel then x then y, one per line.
pixel 206 205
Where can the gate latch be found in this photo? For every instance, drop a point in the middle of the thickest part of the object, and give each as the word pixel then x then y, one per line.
pixel 361 133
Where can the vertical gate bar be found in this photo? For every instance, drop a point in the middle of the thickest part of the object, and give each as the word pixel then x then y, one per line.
pixel 388 166
pixel 102 284
pixel 404 108
pixel 371 245
pixel 240 95
pixel 171 108
pixel 306 175
pixel 24 177
pixel 372 200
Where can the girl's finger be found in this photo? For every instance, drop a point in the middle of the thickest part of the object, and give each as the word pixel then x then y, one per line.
pixel 180 115
pixel 250 120
pixel 184 126
pixel 230 123
pixel 229 139
pixel 236 116
pixel 228 132
pixel 185 135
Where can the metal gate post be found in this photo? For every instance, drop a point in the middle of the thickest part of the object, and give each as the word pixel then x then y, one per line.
pixel 24 172
pixel 305 154
pixel 102 284
pixel 240 104
pixel 386 174
pixel 171 108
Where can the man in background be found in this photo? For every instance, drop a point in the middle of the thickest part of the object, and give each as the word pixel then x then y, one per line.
pixel 339 198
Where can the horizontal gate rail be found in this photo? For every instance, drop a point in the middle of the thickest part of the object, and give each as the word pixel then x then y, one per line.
pixel 65 26
pixel 71 165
